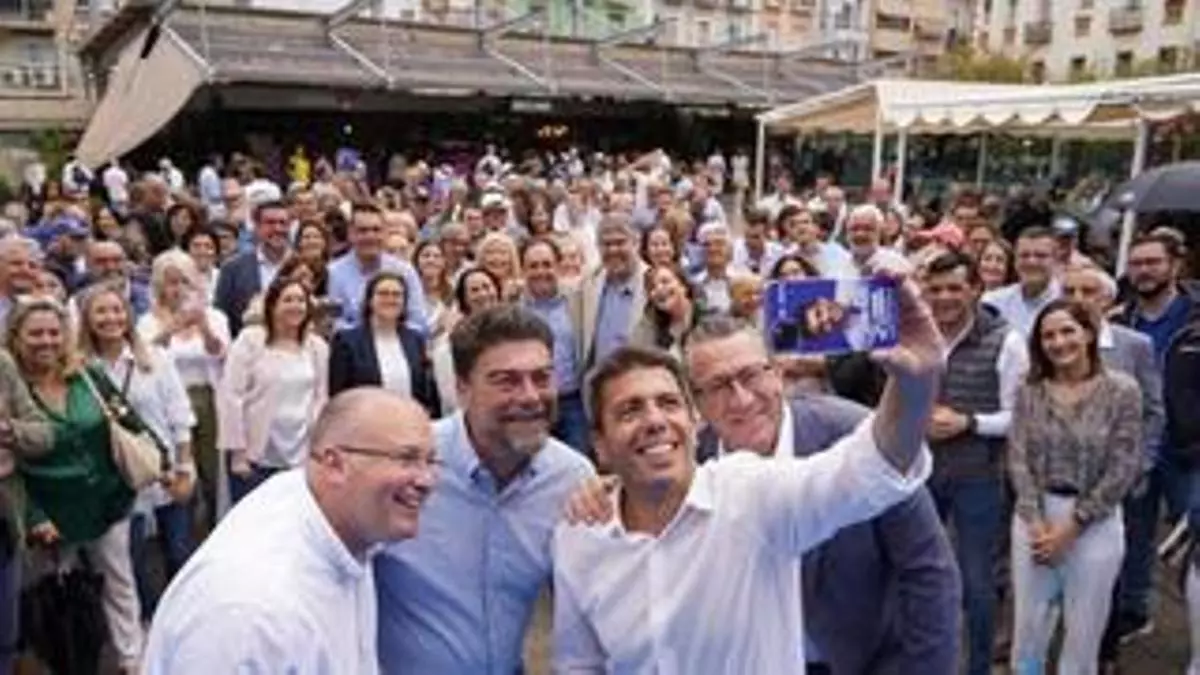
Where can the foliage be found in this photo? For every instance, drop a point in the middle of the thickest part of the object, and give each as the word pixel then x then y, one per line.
pixel 967 64
pixel 54 147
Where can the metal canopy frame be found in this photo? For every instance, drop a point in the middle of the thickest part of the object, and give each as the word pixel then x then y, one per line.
pixel 702 56
pixel 624 37
pixel 497 31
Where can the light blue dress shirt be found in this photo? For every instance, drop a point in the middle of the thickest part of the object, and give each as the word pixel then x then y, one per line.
pixel 348 282
pixel 555 312
pixel 458 598
pixel 614 320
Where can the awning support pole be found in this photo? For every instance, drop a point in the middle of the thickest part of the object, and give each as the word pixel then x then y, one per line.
pixel 877 154
pixel 901 162
pixel 1129 221
pixel 760 150
pixel 981 167
pixel 1056 144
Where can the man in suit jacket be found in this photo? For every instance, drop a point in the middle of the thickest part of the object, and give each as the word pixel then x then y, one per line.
pixel 248 274
pixel 614 296
pixel 880 597
pixel 1131 352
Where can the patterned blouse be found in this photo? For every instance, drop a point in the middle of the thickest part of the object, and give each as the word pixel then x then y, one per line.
pixel 1092 448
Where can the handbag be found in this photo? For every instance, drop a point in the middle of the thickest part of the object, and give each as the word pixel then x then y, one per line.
pixel 137 454
pixel 62 619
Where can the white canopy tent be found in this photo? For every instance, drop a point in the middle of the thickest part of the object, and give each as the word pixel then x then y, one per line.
pixel 1119 109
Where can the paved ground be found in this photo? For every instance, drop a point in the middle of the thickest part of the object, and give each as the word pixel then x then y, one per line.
pixel 1163 652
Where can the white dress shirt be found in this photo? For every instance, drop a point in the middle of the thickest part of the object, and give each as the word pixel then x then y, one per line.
pixel 1011 367
pixel 717 591
pixel 1020 312
pixel 394 373
pixel 272 590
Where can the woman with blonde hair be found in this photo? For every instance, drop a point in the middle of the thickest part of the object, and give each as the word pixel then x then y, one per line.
pixel 195 336
pixel 76 496
pixel 497 253
pixel 147 381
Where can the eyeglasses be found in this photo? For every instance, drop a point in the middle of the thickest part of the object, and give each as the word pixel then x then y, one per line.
pixel 409 460
pixel 749 378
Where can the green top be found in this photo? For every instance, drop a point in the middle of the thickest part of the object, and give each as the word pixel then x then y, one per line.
pixel 76 485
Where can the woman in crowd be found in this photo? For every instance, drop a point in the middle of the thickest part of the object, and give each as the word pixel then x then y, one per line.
pixel 381 350
pixel 105 224
pixel 979 233
pixel 181 217
pixel 571 263
pixel 147 379
pixel 1075 451
pixel 792 266
pixel 671 311
pixel 688 253
pixel 477 289
pixel 538 217
pixel 658 248
pixel 203 246
pixel 312 247
pixel 435 284
pixel 195 336
pixel 76 496
pixel 497 254
pixel 997 265
pixel 275 382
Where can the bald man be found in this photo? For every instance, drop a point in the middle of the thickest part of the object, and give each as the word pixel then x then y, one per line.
pixel 285 583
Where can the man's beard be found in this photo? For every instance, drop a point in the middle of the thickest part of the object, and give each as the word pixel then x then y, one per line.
pixel 1153 291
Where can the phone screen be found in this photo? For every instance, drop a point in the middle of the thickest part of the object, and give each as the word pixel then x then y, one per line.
pixel 831 316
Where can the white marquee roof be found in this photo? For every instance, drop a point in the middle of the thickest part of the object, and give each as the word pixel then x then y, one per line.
pixel 938 107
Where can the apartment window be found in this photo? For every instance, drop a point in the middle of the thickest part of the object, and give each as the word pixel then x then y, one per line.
pixel 1083 26
pixel 1173 12
pixel 703 32
pixel 1010 36
pixel 616 19
pixel 892 22
pixel 1037 71
pixel 1078 66
pixel 1168 58
pixel 1124 64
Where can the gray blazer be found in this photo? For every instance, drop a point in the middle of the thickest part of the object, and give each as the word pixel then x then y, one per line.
pixel 881 597
pixel 1132 353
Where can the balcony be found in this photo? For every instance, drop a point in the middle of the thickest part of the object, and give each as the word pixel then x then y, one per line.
pixel 27 15
pixel 42 78
pixel 1038 32
pixel 931 30
pixel 1125 20
pixel 740 5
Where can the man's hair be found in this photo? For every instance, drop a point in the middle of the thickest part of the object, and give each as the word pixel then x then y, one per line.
pixel 538 241
pixel 492 327
pixel 615 221
pixel 623 361
pixel 948 262
pixel 1169 243
pixel 364 207
pixel 716 327
pixel 272 205
pixel 1037 232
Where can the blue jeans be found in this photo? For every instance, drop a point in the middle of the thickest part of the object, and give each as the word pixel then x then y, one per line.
pixel 174 523
pixel 239 487
pixel 572 425
pixel 974 508
pixel 1170 482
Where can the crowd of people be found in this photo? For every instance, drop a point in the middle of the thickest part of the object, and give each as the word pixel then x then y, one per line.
pixel 286 347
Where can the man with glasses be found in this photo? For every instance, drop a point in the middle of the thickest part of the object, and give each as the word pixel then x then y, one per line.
pixel 696 569
pixel 1037 285
pixel 285 583
pixel 459 597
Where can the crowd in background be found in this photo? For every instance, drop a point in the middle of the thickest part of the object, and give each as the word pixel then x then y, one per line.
pixel 228 307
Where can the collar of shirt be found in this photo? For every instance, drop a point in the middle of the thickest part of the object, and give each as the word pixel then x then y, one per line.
pixel 954 341
pixel 545 303
pixel 785 444
pixel 264 261
pixel 327 542
pixel 461 458
pixel 1105 339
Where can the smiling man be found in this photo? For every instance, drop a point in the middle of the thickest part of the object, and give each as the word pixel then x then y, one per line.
pixel 697 570
pixel 284 584
pixel 458 598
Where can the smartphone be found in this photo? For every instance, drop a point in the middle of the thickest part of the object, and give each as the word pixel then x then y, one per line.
pixel 831 316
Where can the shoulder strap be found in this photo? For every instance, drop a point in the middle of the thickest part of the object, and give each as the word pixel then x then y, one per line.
pixel 105 406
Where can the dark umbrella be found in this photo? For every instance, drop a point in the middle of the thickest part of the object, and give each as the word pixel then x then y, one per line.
pixel 1174 187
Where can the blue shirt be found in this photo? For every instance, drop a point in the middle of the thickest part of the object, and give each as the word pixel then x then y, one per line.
pixel 458 598
pixel 614 319
pixel 1162 328
pixel 348 282
pixel 557 314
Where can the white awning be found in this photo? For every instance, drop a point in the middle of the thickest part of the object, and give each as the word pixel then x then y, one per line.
pixel 1101 109
pixel 143 94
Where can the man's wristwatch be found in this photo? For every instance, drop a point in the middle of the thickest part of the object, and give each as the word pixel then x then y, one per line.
pixel 972 423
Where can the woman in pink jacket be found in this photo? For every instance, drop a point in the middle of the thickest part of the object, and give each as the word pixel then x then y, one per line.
pixel 276 381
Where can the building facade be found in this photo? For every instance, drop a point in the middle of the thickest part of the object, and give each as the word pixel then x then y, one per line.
pixel 1073 40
